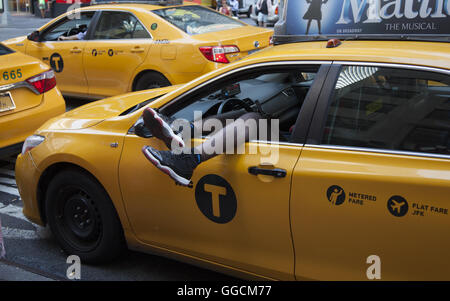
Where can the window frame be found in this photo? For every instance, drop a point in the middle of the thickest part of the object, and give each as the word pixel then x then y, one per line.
pixel 63 20
pixel 317 131
pixel 97 23
pixel 305 115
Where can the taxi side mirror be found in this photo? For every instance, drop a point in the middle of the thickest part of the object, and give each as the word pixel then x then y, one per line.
pixel 34 36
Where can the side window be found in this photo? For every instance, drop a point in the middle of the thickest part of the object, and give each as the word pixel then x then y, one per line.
pixel 275 94
pixel 68 27
pixel 119 25
pixel 390 108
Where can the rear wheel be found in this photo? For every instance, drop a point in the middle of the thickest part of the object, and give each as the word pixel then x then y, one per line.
pixel 151 80
pixel 82 217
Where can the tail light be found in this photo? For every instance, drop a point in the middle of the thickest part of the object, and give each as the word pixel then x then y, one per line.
pixel 276 10
pixel 43 82
pixel 218 53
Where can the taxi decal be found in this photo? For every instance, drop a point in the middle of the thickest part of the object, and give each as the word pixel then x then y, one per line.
pixel 12 74
pixel 397 206
pixel 163 41
pixel 216 199
pixel 154 26
pixel 336 195
pixel 56 62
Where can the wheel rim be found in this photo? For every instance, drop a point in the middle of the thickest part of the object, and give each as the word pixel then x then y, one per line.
pixel 78 219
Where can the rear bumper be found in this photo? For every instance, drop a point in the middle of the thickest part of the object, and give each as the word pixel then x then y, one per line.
pixel 270 19
pixel 244 10
pixel 16 127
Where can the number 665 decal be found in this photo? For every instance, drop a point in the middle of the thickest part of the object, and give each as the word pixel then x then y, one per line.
pixel 13 74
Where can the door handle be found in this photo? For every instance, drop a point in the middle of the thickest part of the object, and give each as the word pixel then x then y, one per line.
pixel 275 172
pixel 137 49
pixel 75 50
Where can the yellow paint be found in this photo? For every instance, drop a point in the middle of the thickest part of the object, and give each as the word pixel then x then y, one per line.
pixel 284 228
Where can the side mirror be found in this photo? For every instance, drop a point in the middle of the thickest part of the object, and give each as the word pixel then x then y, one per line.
pixel 34 36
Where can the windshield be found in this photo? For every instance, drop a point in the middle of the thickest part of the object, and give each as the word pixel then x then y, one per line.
pixel 4 50
pixel 196 19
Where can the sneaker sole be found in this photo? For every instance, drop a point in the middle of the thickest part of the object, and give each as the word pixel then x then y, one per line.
pixel 157 123
pixel 167 170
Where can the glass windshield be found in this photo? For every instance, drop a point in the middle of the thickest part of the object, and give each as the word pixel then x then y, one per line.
pixel 4 50
pixel 196 19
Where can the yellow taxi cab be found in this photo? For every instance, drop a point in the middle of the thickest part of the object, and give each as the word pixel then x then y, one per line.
pixel 357 186
pixel 130 47
pixel 28 98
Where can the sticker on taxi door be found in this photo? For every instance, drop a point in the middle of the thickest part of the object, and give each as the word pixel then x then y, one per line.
pixel 56 62
pixel 216 199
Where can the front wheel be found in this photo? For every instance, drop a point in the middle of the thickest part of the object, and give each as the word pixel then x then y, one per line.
pixel 82 217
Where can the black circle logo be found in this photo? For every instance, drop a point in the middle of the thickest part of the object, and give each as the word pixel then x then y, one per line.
pixel 56 62
pixel 94 52
pixel 216 199
pixel 336 195
pixel 397 206
pixel 154 26
pixel 110 52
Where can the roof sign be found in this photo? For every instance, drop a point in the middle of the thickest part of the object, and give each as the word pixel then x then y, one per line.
pixel 322 19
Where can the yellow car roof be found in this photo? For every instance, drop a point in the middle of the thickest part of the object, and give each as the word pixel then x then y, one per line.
pixel 430 54
pixel 132 6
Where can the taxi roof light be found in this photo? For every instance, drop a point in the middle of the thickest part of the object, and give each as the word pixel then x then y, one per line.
pixel 333 43
pixel 218 53
pixel 43 82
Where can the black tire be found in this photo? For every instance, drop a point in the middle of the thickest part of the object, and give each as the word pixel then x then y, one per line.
pixel 151 80
pixel 249 13
pixel 82 217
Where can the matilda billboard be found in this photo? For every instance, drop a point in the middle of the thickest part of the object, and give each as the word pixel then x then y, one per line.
pixel 314 18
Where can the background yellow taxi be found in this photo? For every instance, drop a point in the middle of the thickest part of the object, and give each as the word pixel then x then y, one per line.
pixel 131 47
pixel 364 148
pixel 28 98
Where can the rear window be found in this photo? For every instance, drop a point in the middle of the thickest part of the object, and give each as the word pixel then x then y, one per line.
pixel 196 19
pixel 4 50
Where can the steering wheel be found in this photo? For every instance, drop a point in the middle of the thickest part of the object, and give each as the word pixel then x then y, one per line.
pixel 73 31
pixel 228 104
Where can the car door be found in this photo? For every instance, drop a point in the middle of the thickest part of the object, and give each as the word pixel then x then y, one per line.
pixel 371 190
pixel 65 57
pixel 119 45
pixel 237 212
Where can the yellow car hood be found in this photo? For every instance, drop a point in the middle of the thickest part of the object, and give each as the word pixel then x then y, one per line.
pixel 97 111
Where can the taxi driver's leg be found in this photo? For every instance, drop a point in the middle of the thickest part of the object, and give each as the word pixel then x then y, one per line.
pixel 159 126
pixel 181 166
pixel 228 137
